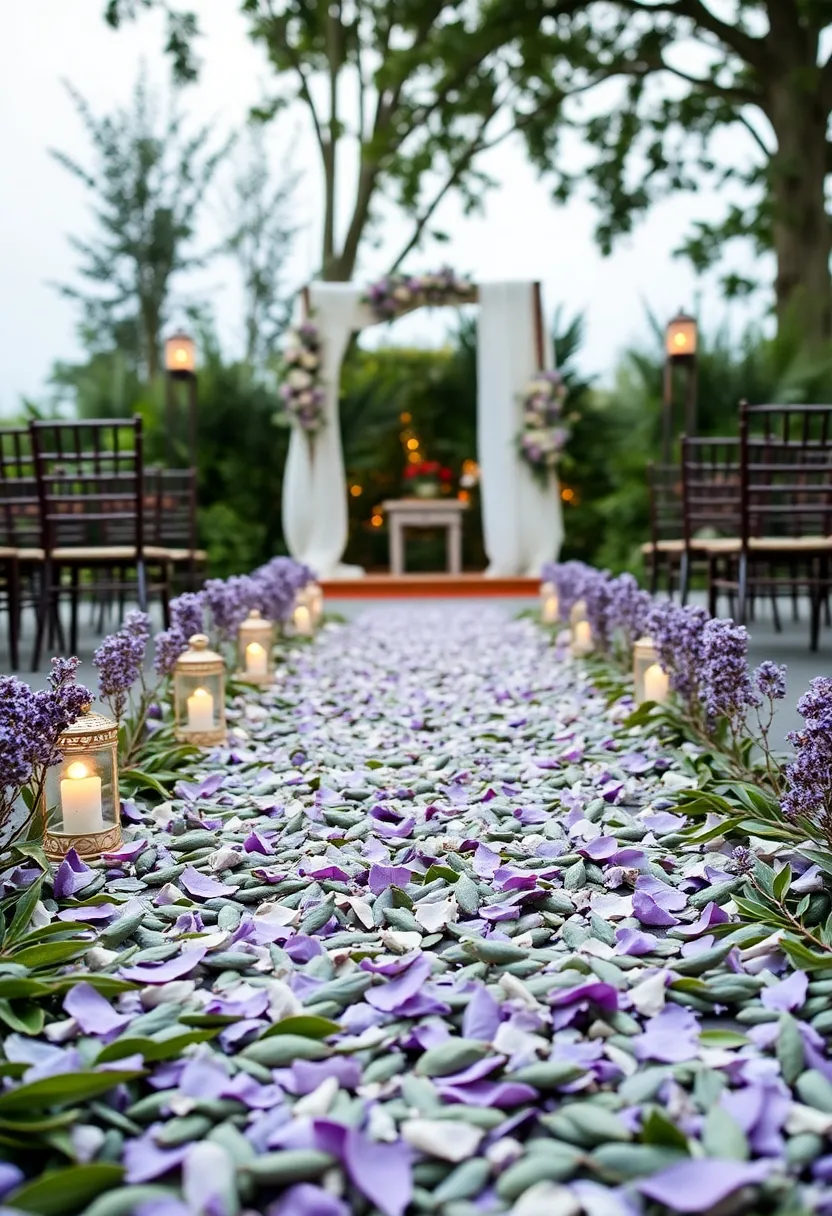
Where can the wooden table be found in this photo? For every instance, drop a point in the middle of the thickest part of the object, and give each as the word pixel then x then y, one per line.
pixel 425 513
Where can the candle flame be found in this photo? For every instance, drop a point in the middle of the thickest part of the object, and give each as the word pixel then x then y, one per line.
pixel 254 650
pixel 78 771
pixel 201 692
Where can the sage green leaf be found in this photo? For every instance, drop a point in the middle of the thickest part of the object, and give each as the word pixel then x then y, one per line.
pixel 451 1056
pixel 308 1026
pixel 61 1090
pixel 69 1190
pixel 722 1136
pixel 790 1054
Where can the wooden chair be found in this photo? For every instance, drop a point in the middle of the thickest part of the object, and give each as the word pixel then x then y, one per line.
pixel 20 529
pixel 785 540
pixel 663 552
pixel 171 523
pixel 711 508
pixel 90 480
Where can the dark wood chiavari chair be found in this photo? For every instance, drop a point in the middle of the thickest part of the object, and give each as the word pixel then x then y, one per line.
pixel 171 523
pixel 20 529
pixel 90 479
pixel 785 540
pixel 711 508
pixel 663 552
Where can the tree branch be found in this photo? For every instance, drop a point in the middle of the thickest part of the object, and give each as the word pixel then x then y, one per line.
pixel 752 50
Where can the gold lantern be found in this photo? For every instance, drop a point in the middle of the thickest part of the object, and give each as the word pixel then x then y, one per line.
pixel 199 695
pixel 580 631
pixel 180 355
pixel 680 337
pixel 549 604
pixel 650 678
pixel 80 804
pixel 255 649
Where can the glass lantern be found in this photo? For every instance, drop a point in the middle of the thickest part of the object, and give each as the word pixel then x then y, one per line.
pixel 549 605
pixel 80 805
pixel 650 679
pixel 580 631
pixel 255 649
pixel 302 623
pixel 315 602
pixel 199 695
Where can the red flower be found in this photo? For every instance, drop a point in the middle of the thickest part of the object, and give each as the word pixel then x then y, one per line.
pixel 445 475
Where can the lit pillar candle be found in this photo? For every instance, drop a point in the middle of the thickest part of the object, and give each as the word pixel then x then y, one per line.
pixel 551 610
pixel 256 660
pixel 201 710
pixel 81 800
pixel 303 621
pixel 656 684
pixel 582 643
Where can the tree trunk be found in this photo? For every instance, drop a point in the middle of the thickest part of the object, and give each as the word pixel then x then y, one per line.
pixel 800 224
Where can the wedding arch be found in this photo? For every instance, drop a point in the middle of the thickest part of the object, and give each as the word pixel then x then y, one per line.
pixel 521 512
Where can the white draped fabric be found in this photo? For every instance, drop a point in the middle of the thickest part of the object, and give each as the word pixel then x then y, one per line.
pixel 522 521
pixel 314 485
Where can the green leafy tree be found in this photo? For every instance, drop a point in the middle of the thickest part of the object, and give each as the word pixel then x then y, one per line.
pixel 688 70
pixel 402 97
pixel 147 186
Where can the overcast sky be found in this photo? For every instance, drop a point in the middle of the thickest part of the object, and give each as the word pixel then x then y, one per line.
pixel 521 235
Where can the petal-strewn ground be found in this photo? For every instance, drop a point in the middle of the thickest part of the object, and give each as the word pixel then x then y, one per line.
pixel 427 938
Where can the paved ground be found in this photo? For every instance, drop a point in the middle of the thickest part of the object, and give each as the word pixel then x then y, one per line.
pixel 790 647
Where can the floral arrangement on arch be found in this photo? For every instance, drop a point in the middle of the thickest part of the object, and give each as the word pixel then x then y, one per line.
pixel 397 294
pixel 302 392
pixel 544 432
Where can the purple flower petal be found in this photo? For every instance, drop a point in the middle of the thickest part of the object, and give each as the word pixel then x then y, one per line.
pixel 201 886
pixel 254 843
pixel 192 793
pixel 162 973
pixel 711 915
pixel 93 1013
pixel 396 993
pixel 633 941
pixel 649 912
pixel 127 851
pixel 71 876
pixel 787 995
pixel 308 1200
pixel 382 1172
pixel 383 877
pixel 697 1186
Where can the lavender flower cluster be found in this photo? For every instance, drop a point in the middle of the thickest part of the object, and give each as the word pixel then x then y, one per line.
pixel 397 294
pixel 30 723
pixel 809 777
pixel 706 660
pixel 301 393
pixel 119 661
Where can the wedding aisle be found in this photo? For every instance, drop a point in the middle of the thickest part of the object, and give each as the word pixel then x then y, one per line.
pixel 427 938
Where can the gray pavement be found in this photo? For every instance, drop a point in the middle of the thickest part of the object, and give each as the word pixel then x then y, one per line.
pixel 790 647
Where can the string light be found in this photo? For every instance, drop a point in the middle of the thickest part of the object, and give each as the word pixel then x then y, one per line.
pixel 413 445
pixel 376 521
pixel 405 418
pixel 356 491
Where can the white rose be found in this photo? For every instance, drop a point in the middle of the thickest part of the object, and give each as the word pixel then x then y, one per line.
pixel 293 354
pixel 309 360
pixel 299 379
pixel 402 294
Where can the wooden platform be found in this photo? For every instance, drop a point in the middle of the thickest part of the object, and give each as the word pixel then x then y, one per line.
pixel 432 586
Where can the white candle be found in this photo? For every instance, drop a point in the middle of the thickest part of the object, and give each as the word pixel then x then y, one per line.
pixel 256 660
pixel 201 710
pixel 81 800
pixel 551 610
pixel 303 621
pixel 656 684
pixel 582 641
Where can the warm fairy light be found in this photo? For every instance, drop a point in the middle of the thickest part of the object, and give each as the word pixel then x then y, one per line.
pixel 413 444
pixel 376 520
pixel 464 496
pixel 566 494
pixel 356 491
pixel 414 458
pixel 405 418
pixel 78 771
